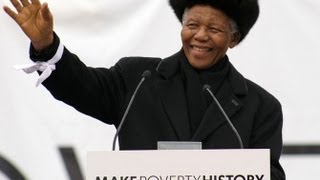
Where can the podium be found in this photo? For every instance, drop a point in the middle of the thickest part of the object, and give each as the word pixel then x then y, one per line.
pixel 234 164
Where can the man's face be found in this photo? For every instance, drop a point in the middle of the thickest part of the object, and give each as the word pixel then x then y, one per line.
pixel 206 36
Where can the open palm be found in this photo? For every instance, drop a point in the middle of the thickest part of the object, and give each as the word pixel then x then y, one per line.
pixel 34 19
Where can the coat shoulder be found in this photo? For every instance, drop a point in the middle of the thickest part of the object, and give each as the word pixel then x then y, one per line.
pixel 138 64
pixel 261 93
pixel 130 69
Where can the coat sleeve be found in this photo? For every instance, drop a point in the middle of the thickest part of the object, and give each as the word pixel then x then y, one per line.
pixel 267 132
pixel 97 92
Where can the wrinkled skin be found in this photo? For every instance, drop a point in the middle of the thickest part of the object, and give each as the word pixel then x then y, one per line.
pixel 206 36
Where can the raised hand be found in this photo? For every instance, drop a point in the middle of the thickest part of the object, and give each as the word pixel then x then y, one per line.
pixel 35 19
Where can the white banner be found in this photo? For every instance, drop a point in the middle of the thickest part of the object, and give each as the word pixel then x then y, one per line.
pixel 235 164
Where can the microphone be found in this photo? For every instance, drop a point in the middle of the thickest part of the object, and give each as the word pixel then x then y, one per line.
pixel 207 87
pixel 144 75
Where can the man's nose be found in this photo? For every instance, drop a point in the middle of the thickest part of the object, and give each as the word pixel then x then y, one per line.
pixel 202 34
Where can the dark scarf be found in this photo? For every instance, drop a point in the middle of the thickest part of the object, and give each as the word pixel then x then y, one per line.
pixel 197 100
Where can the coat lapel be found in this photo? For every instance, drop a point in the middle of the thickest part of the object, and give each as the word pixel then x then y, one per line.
pixel 213 118
pixel 171 90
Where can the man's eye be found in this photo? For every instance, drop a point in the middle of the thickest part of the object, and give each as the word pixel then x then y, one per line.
pixel 214 30
pixel 192 25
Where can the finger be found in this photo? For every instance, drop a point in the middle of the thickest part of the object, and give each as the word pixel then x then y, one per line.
pixel 45 12
pixel 25 3
pixel 16 5
pixel 37 2
pixel 11 13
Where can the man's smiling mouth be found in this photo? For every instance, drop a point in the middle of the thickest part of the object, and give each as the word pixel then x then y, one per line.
pixel 201 49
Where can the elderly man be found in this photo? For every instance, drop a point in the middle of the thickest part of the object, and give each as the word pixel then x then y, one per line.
pixel 171 105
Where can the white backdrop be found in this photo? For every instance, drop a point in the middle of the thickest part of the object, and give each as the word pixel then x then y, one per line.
pixel 281 53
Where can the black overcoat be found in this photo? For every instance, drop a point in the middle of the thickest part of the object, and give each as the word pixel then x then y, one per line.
pixel 159 111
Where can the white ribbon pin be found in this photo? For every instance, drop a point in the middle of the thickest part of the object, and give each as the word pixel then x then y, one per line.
pixel 45 67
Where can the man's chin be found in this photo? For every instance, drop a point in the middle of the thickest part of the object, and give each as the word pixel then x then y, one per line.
pixel 199 66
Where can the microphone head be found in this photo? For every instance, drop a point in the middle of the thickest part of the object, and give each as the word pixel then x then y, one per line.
pixel 205 87
pixel 146 74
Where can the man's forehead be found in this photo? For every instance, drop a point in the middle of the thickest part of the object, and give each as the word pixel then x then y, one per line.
pixel 213 16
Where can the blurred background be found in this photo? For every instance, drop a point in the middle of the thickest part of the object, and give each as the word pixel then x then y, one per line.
pixel 42 138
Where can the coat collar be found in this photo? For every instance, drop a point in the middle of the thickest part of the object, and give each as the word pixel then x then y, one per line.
pixel 173 96
pixel 170 65
pixel 171 90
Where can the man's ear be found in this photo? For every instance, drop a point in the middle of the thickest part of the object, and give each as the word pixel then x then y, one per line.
pixel 235 39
